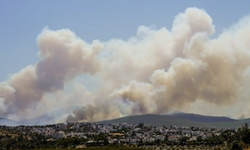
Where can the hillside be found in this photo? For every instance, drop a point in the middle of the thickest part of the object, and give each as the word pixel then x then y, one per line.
pixel 4 121
pixel 180 119
pixel 155 120
pixel 201 118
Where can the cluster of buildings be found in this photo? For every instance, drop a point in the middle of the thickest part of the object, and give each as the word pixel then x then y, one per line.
pixel 131 134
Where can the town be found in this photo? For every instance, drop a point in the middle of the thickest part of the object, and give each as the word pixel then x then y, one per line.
pixel 82 135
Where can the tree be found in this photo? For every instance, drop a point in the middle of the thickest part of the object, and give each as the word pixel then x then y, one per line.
pixel 199 139
pixel 141 125
pixel 183 140
pixel 245 134
pixel 157 141
pixel 228 135
pixel 166 138
pixel 235 146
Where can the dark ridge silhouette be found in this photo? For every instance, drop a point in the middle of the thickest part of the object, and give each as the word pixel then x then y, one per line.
pixel 181 119
pixel 202 118
pixel 177 119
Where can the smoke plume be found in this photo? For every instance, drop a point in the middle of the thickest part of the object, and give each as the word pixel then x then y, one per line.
pixel 156 71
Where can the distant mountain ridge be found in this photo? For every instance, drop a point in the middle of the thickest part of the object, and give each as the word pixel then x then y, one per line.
pixel 181 119
pixel 202 118
pixel 4 121
pixel 49 118
pixel 178 119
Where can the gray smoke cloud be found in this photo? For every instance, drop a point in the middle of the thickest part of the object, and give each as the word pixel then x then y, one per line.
pixel 157 71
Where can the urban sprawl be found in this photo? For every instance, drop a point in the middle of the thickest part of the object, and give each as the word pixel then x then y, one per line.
pixel 82 135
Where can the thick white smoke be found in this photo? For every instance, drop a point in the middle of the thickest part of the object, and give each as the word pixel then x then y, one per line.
pixel 156 71
pixel 63 57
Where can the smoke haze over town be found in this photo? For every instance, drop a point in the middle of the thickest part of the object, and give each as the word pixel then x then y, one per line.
pixel 187 67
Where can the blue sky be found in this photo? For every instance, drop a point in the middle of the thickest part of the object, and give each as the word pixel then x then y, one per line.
pixel 22 21
pixel 206 73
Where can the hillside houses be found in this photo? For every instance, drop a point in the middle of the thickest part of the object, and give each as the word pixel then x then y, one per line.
pixel 95 134
pixel 120 133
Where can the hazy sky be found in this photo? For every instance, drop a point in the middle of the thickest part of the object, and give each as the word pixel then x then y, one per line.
pixel 118 57
pixel 22 21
